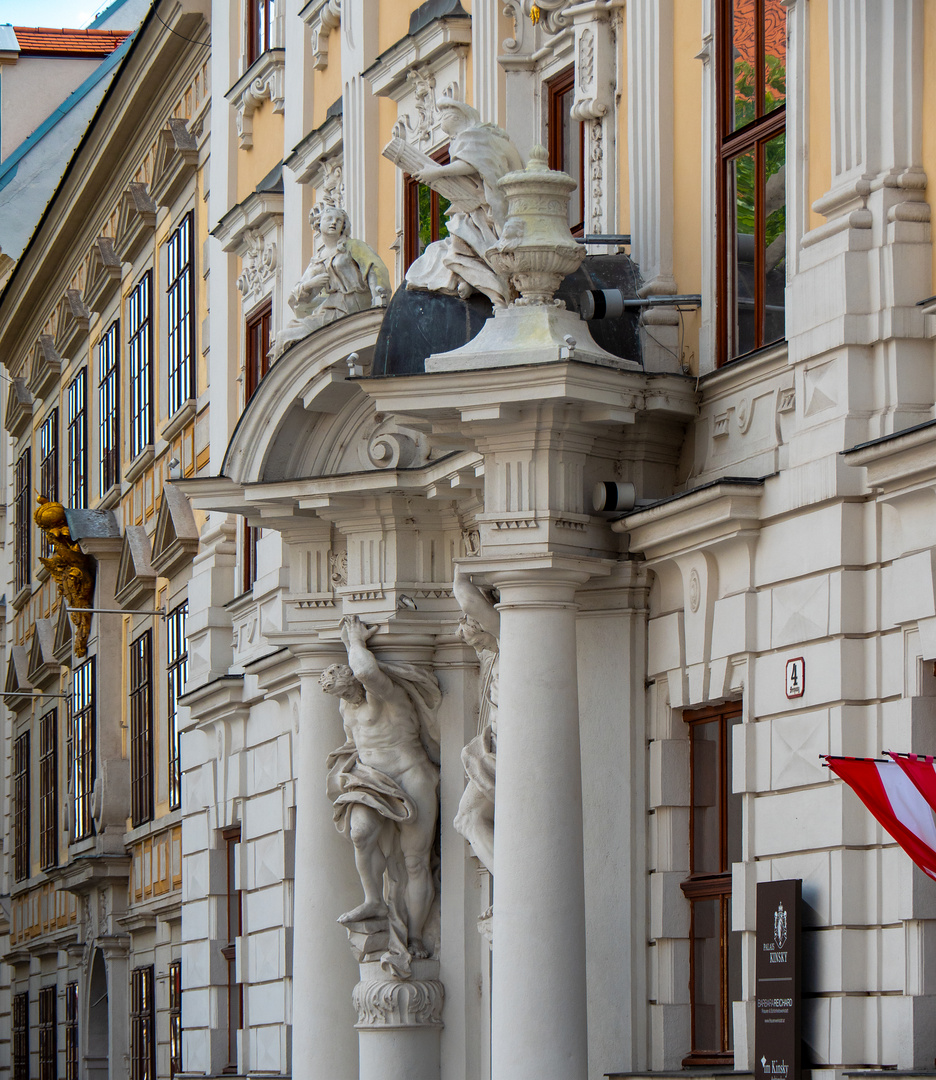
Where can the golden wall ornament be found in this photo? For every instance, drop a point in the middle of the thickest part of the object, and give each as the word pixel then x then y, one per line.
pixel 71 569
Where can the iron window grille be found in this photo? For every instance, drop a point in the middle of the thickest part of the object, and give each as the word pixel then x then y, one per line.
pixel 22 519
pixel 176 674
pixel 48 1045
pixel 180 293
pixel 81 757
pixel 21 1037
pixel 141 729
pixel 77 404
pixel 139 353
pixel 71 1031
pixel 48 790
pixel 21 807
pixel 142 1023
pixel 108 355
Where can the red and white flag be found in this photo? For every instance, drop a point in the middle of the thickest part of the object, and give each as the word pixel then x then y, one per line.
pixel 894 793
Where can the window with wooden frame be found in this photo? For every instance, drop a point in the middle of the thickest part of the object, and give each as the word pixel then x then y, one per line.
pixel 175 1017
pixel 751 185
pixel 22 520
pixel 259 28
pixel 566 142
pixel 180 296
pixel 142 1024
pixel 49 464
pixel 77 396
pixel 21 860
pixel 176 674
pixel 714 844
pixel 141 729
pixel 48 1047
pixel 48 790
pixel 233 927
pixel 257 349
pixel 21 1037
pixel 139 353
pixel 108 359
pixel 71 1031
pixel 81 756
pixel 424 214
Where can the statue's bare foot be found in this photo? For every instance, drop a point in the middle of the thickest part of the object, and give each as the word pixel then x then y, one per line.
pixel 370 909
pixel 417 950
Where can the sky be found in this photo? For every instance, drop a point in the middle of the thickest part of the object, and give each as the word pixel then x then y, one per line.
pixel 70 13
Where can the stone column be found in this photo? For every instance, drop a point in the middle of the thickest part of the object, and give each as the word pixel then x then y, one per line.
pixel 538 1029
pixel 324 1042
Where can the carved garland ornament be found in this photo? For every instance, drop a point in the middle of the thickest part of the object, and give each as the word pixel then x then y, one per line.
pixel 397 1003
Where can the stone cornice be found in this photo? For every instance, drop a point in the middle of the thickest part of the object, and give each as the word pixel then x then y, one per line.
pixel 906 457
pixel 388 75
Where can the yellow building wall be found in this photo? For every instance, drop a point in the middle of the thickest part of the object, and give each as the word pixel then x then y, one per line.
pixel 393 21
pixel 819 137
pixel 326 83
pixel 266 152
pixel 387 180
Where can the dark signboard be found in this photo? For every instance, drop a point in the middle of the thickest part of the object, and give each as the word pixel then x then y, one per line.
pixel 777 981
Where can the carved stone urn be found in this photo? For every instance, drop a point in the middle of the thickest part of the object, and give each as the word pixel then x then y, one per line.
pixel 536 250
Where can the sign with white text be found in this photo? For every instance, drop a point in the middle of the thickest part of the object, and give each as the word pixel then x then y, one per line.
pixel 777 981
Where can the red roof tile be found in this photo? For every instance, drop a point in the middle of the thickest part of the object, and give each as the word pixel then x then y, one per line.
pixel 46 41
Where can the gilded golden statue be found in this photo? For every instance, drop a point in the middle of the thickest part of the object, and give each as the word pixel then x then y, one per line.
pixel 70 568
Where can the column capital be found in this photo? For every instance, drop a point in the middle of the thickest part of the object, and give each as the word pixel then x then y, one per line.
pixel 537 570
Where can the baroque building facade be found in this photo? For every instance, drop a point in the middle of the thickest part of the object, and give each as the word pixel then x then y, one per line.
pixel 350 549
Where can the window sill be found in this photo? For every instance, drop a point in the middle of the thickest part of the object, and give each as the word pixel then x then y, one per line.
pixel 138 466
pixel 178 420
pixel 20 598
pixel 265 78
pixel 110 498
pixel 150 828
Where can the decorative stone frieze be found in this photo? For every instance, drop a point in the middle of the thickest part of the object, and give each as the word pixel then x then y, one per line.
pixel 252 230
pixel 263 81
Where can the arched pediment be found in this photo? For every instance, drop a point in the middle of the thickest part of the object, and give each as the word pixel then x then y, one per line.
pixel 299 420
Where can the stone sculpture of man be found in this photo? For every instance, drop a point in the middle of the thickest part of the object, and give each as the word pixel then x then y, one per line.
pixel 458 264
pixel 383 782
pixel 346 276
pixel 480 628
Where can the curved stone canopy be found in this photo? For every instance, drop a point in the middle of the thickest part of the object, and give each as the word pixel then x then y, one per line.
pixel 420 323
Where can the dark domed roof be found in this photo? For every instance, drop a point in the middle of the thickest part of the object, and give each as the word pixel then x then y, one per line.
pixel 420 323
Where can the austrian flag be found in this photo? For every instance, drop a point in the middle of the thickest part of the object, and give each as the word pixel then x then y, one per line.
pixel 901 793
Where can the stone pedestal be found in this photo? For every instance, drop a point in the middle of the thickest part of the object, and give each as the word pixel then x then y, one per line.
pixel 538 990
pixel 326 884
pixel 399 1022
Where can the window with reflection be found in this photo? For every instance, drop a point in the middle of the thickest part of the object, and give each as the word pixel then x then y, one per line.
pixel 566 143
pixel 139 349
pixel 751 66
pixel 714 844
pixel 424 215
pixel 81 756
pixel 77 402
pixel 180 299
pixel 108 355
pixel 259 28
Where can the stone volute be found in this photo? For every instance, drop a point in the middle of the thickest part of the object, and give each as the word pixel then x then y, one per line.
pixel 537 250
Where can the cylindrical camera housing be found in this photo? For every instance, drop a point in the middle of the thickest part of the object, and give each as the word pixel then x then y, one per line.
pixel 602 304
pixel 612 496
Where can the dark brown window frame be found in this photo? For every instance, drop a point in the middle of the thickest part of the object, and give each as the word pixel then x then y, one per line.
pixel 704 885
pixel 71 1031
pixel 176 674
pixel 21 814
pixel 22 520
pixel 77 401
pixel 140 361
pixel 49 464
pixel 259 30
pixel 108 359
pixel 20 1037
pixel 48 1030
pixel 258 341
pixel 82 755
pixel 557 88
pixel 233 922
pixel 141 729
pixel 175 1017
pixel 48 790
pixel 142 1023
pixel 180 308
pixel 411 188
pixel 731 144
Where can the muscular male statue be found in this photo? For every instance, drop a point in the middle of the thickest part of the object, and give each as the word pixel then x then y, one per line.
pixel 384 784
